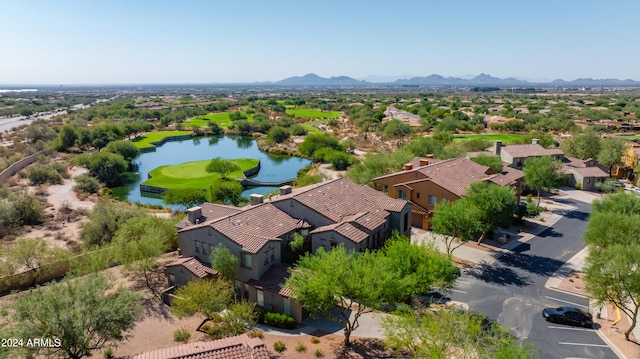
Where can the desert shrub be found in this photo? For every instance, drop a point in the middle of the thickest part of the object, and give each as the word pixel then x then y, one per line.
pixel 108 353
pixel 279 346
pixel 277 134
pixel 315 340
pixel 318 353
pixel 300 347
pixel 256 334
pixel 87 184
pixel 41 174
pixel 533 210
pixel 279 320
pixel 181 335
pixel 578 186
pixel 298 130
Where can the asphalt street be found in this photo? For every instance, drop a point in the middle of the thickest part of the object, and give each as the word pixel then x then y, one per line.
pixel 511 290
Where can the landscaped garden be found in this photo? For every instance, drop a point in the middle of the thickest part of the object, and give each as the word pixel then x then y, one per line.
pixel 193 174
pixel 311 113
pixel 147 140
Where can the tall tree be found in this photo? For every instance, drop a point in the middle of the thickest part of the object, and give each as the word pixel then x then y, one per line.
pixel 227 192
pixel 456 220
pixel 223 261
pixel 140 241
pixel 187 197
pixel 582 145
pixel 222 167
pixel 80 316
pixel 202 296
pixel 33 255
pixel 543 173
pixel 611 152
pixel 496 205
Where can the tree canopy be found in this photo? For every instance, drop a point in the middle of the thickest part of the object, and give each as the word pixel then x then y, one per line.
pixel 79 315
pixel 187 197
pixel 222 167
pixel 543 173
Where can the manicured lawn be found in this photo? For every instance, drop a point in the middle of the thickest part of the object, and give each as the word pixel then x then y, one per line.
pixel 222 119
pixel 309 113
pixel 145 141
pixel 193 174
pixel 506 138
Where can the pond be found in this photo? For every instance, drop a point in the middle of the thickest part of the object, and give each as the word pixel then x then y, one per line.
pixel 272 168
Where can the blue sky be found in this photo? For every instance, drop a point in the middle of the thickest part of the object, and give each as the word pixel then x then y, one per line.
pixel 191 41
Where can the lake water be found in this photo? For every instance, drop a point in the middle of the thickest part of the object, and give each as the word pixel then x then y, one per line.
pixel 272 168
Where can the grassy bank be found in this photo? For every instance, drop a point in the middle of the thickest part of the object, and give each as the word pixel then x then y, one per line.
pixel 146 140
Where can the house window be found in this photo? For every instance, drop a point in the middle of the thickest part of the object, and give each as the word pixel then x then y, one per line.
pixel 334 244
pixel 204 248
pixel 198 250
pixel 588 180
pixel 402 194
pixel 246 291
pixel 378 186
pixel 417 195
pixel 210 247
pixel 272 252
pixel 287 306
pixel 406 221
pixel 238 287
pixel 245 260
pixel 386 188
pixel 172 279
pixel 260 297
pixel 266 256
pixel 432 200
pixel 210 232
pixel 444 200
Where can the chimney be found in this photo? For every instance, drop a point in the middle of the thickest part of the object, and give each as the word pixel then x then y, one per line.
pixel 194 214
pixel 535 141
pixel 497 147
pixel 424 162
pixel 407 166
pixel 255 199
pixel 429 156
pixel 285 190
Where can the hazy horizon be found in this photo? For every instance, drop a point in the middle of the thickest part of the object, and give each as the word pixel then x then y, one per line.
pixel 213 42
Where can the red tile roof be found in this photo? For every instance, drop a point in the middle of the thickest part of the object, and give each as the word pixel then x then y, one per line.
pixel 210 212
pixel 345 229
pixel 238 347
pixel 508 176
pixel 456 174
pixel 529 150
pixel 273 280
pixel 194 266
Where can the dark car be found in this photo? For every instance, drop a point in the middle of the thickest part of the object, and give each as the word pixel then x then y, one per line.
pixel 568 315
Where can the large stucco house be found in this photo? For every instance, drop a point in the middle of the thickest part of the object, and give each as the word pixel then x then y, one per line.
pixel 326 215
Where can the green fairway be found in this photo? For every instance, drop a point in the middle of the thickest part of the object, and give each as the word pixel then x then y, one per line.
pixel 193 174
pixel 146 140
pixel 309 113
pixel 506 138
pixel 222 119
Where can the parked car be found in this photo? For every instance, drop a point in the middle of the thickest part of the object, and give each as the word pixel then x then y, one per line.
pixel 568 315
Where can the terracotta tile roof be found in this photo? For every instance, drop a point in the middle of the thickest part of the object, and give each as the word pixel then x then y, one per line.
pixel 256 225
pixel 210 212
pixel 345 229
pixel 194 266
pixel 593 171
pixel 372 220
pixel 456 174
pixel 238 347
pixel 273 280
pixel 341 197
pixel 529 150
pixel 508 176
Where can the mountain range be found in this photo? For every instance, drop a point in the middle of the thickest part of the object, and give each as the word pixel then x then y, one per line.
pixel 482 80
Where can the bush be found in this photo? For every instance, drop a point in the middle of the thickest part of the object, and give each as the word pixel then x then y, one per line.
pixel 318 353
pixel 279 320
pixel 108 353
pixel 181 335
pixel 277 134
pixel 315 340
pixel 87 184
pixel 298 130
pixel 300 347
pixel 578 186
pixel 533 210
pixel 40 174
pixel 256 334
pixel 279 346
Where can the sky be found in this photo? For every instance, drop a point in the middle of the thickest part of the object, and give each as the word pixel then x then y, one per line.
pixel 244 41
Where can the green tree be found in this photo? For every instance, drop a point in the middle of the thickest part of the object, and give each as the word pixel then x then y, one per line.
pixel 104 221
pixel 202 296
pixel 107 167
pixel 140 241
pixel 222 167
pixel 297 242
pixel 225 262
pixel 126 149
pixel 187 197
pixel 586 144
pixel 494 162
pixel 33 255
pixel 277 134
pixel 67 137
pixel 456 220
pixel 496 205
pixel 227 192
pixel 611 152
pixel 450 333
pixel 543 173
pixel 396 128
pixel 82 315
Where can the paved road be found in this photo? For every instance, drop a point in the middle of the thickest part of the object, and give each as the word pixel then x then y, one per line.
pixel 511 290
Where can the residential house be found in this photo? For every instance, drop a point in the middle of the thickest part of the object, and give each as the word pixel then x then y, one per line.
pixel 515 155
pixel 583 174
pixel 426 182
pixel 237 347
pixel 325 215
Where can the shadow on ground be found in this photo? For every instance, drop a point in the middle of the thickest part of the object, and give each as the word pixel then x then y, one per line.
pixel 499 275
